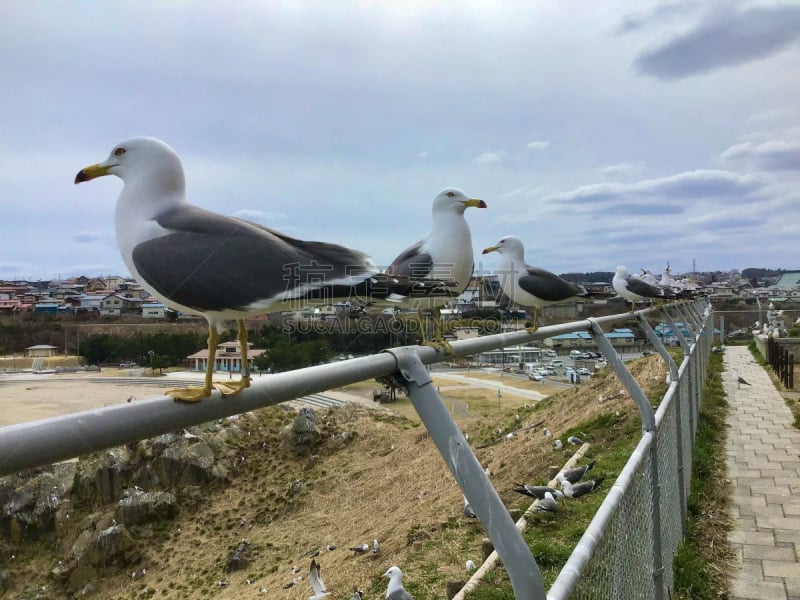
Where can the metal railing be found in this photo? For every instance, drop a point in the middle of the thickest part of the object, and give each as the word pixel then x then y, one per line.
pixel 645 508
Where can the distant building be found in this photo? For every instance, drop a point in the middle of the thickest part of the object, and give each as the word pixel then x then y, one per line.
pixel 41 351
pixel 154 310
pixel 228 357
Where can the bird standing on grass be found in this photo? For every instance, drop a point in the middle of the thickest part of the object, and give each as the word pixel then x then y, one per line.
pixel 581 488
pixel 531 287
pixel 395 589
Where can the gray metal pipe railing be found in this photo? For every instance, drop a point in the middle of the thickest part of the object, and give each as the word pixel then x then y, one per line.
pixel 45 441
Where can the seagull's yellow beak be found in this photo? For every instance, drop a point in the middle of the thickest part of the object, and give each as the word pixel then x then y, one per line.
pixel 92 171
pixel 489 249
pixel 476 202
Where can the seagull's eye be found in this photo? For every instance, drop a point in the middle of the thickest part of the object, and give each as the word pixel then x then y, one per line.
pixel 119 151
pixel 450 194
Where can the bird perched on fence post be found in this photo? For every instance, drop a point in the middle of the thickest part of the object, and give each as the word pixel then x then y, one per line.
pixel 221 267
pixel 531 287
pixel 445 253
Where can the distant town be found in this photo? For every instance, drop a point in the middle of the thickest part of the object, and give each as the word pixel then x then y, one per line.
pixel 117 296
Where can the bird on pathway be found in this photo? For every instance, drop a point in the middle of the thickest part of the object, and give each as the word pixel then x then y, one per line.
pixel 395 589
pixel 740 381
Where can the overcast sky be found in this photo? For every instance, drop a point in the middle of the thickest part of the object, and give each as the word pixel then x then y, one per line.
pixel 600 133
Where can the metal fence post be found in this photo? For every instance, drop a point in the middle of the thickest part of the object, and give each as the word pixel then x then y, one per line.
pixel 493 515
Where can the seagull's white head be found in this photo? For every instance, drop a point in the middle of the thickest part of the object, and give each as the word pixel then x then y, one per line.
pixel 394 574
pixel 455 201
pixel 144 157
pixel 622 272
pixel 509 246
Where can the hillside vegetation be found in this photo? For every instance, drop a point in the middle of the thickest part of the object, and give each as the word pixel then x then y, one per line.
pixel 376 476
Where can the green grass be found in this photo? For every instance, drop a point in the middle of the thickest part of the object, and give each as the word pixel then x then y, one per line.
pixel 701 564
pixel 552 537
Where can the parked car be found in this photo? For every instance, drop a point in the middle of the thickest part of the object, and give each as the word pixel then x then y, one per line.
pixel 535 377
pixel 584 371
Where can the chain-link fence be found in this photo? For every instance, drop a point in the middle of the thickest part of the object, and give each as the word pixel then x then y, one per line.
pixel 627 551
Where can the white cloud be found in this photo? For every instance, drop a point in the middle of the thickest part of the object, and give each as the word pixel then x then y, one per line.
pixel 542 145
pixel 489 158
pixel 620 169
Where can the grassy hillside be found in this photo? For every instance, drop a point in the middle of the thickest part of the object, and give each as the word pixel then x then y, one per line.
pixel 383 480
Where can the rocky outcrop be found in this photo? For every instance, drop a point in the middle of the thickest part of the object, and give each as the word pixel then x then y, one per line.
pixel 138 506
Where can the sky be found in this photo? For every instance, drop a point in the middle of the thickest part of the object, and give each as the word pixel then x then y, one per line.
pixel 600 133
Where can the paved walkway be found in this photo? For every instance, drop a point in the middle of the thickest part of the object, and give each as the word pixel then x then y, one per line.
pixel 763 456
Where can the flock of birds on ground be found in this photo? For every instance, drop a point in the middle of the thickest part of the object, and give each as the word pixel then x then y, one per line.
pixel 572 484
pixel 226 268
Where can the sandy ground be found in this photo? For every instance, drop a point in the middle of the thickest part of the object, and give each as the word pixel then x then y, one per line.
pixel 27 397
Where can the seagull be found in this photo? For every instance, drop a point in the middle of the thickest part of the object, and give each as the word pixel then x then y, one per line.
pixel 528 286
pixel 357 594
pixel 575 441
pixel 470 565
pixel 468 512
pixel 395 589
pixel 445 253
pixel 220 267
pixel 740 381
pixel 376 547
pixel 574 475
pixel 536 491
pixel 558 445
pixel 360 549
pixel 648 277
pixel 547 433
pixel 315 579
pixel 580 489
pixel 547 504
pixel 634 289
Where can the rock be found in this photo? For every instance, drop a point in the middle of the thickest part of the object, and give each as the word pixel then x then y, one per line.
pixel 186 463
pixel 486 548
pixel 81 577
pixel 5 582
pixel 112 546
pixel 452 587
pixel 239 558
pixel 139 507
pixel 305 430
pixel 102 477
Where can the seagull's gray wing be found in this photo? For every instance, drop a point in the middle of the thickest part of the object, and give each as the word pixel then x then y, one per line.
pixel 548 286
pixel 400 594
pixel 212 262
pixel 644 289
pixel 411 262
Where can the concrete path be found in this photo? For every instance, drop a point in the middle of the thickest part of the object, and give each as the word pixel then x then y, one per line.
pixel 763 457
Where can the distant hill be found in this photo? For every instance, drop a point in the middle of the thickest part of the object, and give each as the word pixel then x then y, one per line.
pixel 592 276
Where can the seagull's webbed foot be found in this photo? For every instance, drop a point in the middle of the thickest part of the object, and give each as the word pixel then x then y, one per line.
pixel 232 389
pixel 193 393
pixel 440 345
pixel 535 325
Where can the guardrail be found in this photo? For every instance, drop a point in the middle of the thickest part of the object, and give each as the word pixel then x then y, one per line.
pixel 653 486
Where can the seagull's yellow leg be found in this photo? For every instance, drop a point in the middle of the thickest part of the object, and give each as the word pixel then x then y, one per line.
pixel 438 342
pixel 231 389
pixel 194 393
pixel 535 325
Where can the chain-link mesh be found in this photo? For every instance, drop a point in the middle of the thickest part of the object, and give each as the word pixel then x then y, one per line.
pixel 622 564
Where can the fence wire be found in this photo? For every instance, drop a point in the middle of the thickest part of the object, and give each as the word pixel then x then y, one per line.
pixel 623 558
